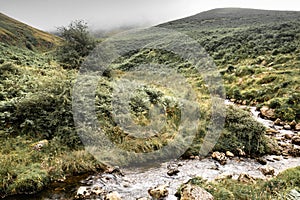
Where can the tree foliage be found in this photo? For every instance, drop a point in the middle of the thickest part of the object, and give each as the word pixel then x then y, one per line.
pixel 78 44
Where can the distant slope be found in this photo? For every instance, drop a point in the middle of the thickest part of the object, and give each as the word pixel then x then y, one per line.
pixel 257 52
pixel 16 33
pixel 233 18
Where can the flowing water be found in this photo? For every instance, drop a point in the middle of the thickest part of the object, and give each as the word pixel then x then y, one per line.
pixel 136 181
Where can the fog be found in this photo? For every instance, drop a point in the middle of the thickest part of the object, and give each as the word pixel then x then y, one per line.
pixel 109 14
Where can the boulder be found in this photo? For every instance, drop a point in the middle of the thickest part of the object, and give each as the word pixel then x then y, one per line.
pixel 112 196
pixel 287 127
pixel 267 170
pixel 277 122
pixel 271 131
pixel 158 192
pixel 192 192
pixel 241 152
pixel 297 127
pixel 296 140
pixel 229 154
pixel 220 157
pixel 83 192
pixel 173 172
pixel 288 136
pixel 261 161
pixel 267 112
pixel 293 123
pixel 246 178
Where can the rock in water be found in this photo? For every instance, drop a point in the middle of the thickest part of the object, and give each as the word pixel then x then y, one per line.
pixel 267 170
pixel 267 112
pixel 220 157
pixel 261 161
pixel 229 154
pixel 297 127
pixel 296 140
pixel 112 196
pixel 287 127
pixel 159 192
pixel 192 192
pixel 277 122
pixel 241 152
pixel 293 123
pixel 173 172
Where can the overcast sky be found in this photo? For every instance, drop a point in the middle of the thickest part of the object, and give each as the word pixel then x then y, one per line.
pixel 104 14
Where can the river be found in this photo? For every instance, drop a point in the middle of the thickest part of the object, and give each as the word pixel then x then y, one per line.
pixel 136 181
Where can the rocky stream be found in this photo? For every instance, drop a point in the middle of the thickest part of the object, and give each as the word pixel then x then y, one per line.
pixel 139 182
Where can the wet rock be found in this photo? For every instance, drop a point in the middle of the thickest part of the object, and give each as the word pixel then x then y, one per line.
pixel 229 154
pixel 267 170
pixel 287 127
pixel 288 136
pixel 112 196
pixel 296 140
pixel 220 157
pixel 261 161
pixel 267 112
pixel 246 178
pixel 159 192
pixel 295 151
pixel 83 192
pixel 293 123
pixel 241 152
pixel 271 131
pixel 297 127
pixel 173 172
pixel 192 192
pixel 114 170
pixel 277 158
pixel 277 122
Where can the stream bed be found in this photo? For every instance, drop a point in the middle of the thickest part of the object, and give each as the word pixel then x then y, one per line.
pixel 133 183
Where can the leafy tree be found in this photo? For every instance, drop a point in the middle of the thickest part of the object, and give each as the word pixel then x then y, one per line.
pixel 78 44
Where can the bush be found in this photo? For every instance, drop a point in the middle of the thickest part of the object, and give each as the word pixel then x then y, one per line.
pixel 242 131
pixel 78 44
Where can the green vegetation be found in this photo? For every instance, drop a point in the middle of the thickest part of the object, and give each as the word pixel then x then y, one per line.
pixel 257 52
pixel 275 188
pixel 36 87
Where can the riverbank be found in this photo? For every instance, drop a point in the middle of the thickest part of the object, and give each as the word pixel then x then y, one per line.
pixel 268 172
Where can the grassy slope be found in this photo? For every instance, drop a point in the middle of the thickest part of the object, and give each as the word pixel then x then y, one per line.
pixel 35 104
pixel 261 46
pixel 19 34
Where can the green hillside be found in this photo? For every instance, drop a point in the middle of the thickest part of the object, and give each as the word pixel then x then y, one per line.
pixel 257 51
pixel 257 54
pixel 19 34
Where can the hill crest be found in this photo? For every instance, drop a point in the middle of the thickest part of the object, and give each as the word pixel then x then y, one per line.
pixel 18 34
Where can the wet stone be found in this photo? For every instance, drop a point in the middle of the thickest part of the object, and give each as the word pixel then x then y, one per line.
pixel 261 161
pixel 173 172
